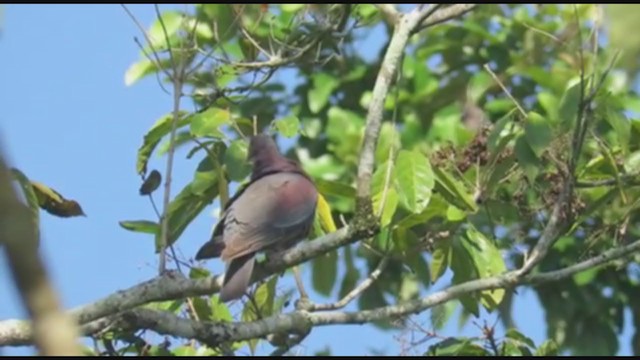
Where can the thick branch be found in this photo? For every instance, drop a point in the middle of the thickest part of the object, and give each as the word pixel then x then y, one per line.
pixel 405 25
pixel 173 285
pixel 445 14
pixel 300 322
pixel 389 13
pixel 54 332
pixel 550 232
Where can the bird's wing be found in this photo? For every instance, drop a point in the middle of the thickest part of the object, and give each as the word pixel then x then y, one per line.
pixel 277 208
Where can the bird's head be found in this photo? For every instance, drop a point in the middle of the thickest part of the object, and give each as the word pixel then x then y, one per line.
pixel 265 157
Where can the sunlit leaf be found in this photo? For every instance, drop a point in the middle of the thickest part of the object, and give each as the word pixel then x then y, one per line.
pixel 547 348
pixel 488 262
pixel 160 129
pixel 568 110
pixel 537 132
pixel 323 87
pixel 288 126
pixel 143 226
pixel 208 122
pixel 456 347
pixel 261 306
pixel 415 180
pixel 235 159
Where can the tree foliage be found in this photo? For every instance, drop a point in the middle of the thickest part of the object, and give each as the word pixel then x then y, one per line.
pixel 506 128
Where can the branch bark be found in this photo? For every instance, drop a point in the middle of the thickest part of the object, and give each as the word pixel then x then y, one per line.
pixel 301 321
pixel 406 24
pixel 54 332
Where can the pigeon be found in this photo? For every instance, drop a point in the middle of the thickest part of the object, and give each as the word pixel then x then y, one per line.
pixel 272 213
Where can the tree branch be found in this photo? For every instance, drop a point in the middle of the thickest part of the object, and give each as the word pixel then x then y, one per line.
pixel 174 286
pixel 54 332
pixel 356 291
pixel 405 26
pixel 389 13
pixel 445 14
pixel 300 322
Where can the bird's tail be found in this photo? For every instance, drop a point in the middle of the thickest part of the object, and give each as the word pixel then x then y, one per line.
pixel 237 277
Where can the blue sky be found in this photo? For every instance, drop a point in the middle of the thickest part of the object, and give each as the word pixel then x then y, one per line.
pixel 69 121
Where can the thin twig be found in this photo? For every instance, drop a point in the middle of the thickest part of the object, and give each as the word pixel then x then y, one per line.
pixel 506 91
pixel 382 265
pixel 148 38
pixel 177 78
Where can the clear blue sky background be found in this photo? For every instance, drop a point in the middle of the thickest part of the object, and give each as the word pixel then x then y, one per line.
pixel 69 121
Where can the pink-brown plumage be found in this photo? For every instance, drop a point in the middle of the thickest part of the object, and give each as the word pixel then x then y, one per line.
pixel 272 213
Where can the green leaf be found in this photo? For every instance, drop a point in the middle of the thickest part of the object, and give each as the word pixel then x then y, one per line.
pixel 225 18
pixel 440 261
pixel 202 308
pixel 549 103
pixel 182 138
pixel 390 196
pixel 418 265
pixel 172 306
pixel 185 350
pixel 569 107
pixel 264 297
pixel 325 271
pixel 537 132
pixel 323 86
pixel 184 208
pixel 456 347
pixel 204 176
pixel 415 180
pixel 161 128
pixel 291 8
pixel 527 159
pixel 547 348
pixel 516 335
pixel 329 187
pixel 622 127
pixel 352 275
pixel 220 311
pixel 143 226
pixel 512 347
pixel 261 307
pixel 198 273
pixel 585 277
pixel 388 138
pixel 138 70
pixel 159 350
pixel 166 26
pixel 208 122
pixel 488 262
pixel 235 160
pixel 440 314
pixel 288 126
pixel 454 191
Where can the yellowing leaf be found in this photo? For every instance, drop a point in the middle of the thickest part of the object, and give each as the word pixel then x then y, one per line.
pixel 324 214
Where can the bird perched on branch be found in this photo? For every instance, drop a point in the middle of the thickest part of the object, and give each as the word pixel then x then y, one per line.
pixel 273 212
